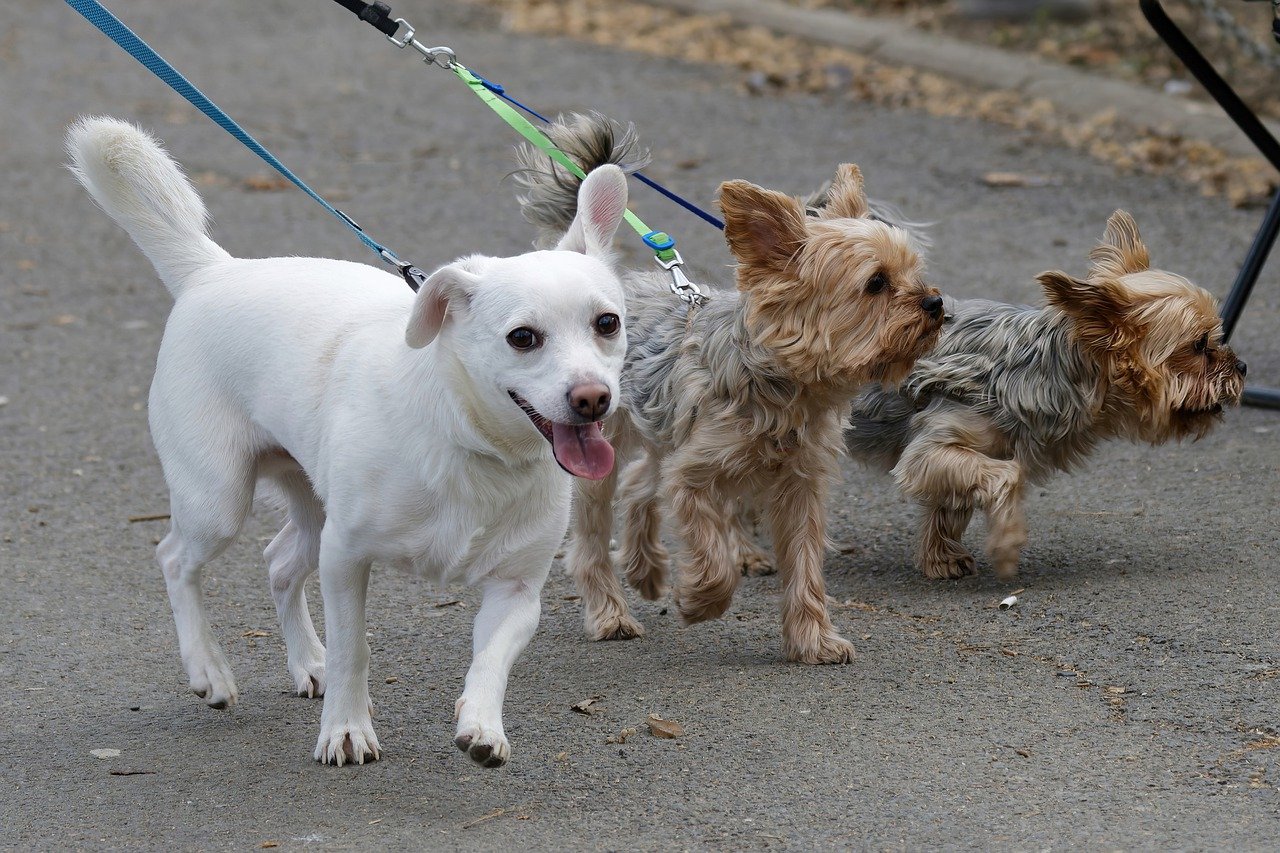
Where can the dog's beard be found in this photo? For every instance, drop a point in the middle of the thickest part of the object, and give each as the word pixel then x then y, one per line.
pixel 580 449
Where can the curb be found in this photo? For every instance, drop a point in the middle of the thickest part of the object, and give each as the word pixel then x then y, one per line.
pixel 1079 94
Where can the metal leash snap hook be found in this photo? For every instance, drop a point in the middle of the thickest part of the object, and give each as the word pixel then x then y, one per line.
pixel 680 284
pixel 441 56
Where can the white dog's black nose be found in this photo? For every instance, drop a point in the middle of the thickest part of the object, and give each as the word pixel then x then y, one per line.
pixel 590 400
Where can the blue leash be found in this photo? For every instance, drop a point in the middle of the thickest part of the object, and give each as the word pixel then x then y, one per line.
pixel 114 29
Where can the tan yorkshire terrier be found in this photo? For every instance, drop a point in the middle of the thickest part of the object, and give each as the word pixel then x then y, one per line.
pixel 744 396
pixel 1013 394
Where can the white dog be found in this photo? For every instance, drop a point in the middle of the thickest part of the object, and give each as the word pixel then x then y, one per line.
pixel 423 431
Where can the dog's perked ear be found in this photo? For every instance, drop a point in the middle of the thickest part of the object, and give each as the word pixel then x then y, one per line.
pixel 1099 308
pixel 602 199
pixel 1121 251
pixel 447 285
pixel 764 228
pixel 846 199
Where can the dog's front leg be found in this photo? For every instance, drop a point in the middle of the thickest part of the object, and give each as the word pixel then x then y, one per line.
pixel 709 575
pixel 798 517
pixel 346 724
pixel 507 618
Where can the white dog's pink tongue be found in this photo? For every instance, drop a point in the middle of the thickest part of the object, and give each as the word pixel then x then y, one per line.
pixel 582 450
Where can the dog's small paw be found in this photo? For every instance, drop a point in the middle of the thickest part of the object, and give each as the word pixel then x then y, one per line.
pixel 700 608
pixel 949 566
pixel 210 678
pixel 486 747
pixel 757 564
pixel 830 648
pixel 308 677
pixel 353 742
pixel 620 626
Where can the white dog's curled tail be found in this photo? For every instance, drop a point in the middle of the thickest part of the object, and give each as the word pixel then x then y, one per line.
pixel 131 177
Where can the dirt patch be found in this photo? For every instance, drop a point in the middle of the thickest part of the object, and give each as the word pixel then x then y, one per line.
pixel 1115 39
pixel 772 63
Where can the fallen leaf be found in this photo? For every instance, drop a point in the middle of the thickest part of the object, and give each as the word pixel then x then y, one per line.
pixel 587 707
pixel 64 320
pixel 266 845
pixel 859 605
pixel 659 727
pixel 265 183
pixel 105 753
pixel 131 773
pixel 1023 752
pixel 562 756
pixel 620 737
pixel 1017 179
pixel 391 679
pixel 1117 690
pixel 450 603
pixel 256 632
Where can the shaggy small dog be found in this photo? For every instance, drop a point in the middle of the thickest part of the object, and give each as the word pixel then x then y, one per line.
pixel 1013 394
pixel 744 396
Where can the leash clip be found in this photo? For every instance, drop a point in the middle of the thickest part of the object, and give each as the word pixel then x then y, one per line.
pixel 681 286
pixel 664 248
pixel 441 55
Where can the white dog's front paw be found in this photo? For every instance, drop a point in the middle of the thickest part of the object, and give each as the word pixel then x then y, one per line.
pixel 210 677
pixel 308 674
pixel 485 745
pixel 350 741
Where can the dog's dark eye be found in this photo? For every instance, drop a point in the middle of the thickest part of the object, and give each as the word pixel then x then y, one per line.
pixel 878 282
pixel 524 339
pixel 1203 343
pixel 608 325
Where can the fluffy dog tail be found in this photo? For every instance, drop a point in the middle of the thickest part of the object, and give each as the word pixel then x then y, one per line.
pixel 131 177
pixel 879 427
pixel 549 193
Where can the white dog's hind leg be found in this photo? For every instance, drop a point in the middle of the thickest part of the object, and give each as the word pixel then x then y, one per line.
pixel 507 618
pixel 291 558
pixel 193 541
pixel 346 724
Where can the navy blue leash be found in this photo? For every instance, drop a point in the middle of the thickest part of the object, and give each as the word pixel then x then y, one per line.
pixel 114 29
pixel 379 16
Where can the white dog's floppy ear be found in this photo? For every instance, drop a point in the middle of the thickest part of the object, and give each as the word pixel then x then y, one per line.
pixel 447 284
pixel 602 199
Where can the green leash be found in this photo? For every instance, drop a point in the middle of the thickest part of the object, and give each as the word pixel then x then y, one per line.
pixel 662 243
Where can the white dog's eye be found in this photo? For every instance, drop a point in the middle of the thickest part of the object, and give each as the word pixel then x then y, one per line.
pixel 877 283
pixel 524 339
pixel 608 325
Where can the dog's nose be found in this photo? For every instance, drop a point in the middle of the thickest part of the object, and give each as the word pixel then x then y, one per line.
pixel 590 400
pixel 1242 367
pixel 932 306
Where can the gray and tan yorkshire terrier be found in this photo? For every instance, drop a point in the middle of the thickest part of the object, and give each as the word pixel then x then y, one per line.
pixel 1012 394
pixel 746 395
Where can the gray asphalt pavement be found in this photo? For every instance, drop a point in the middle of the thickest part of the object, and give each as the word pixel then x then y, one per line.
pixel 1128 701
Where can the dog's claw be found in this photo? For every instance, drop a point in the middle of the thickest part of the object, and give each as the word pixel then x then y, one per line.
pixel 355 743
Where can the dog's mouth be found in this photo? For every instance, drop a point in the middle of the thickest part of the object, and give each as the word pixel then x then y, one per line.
pixel 580 449
pixel 1192 412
